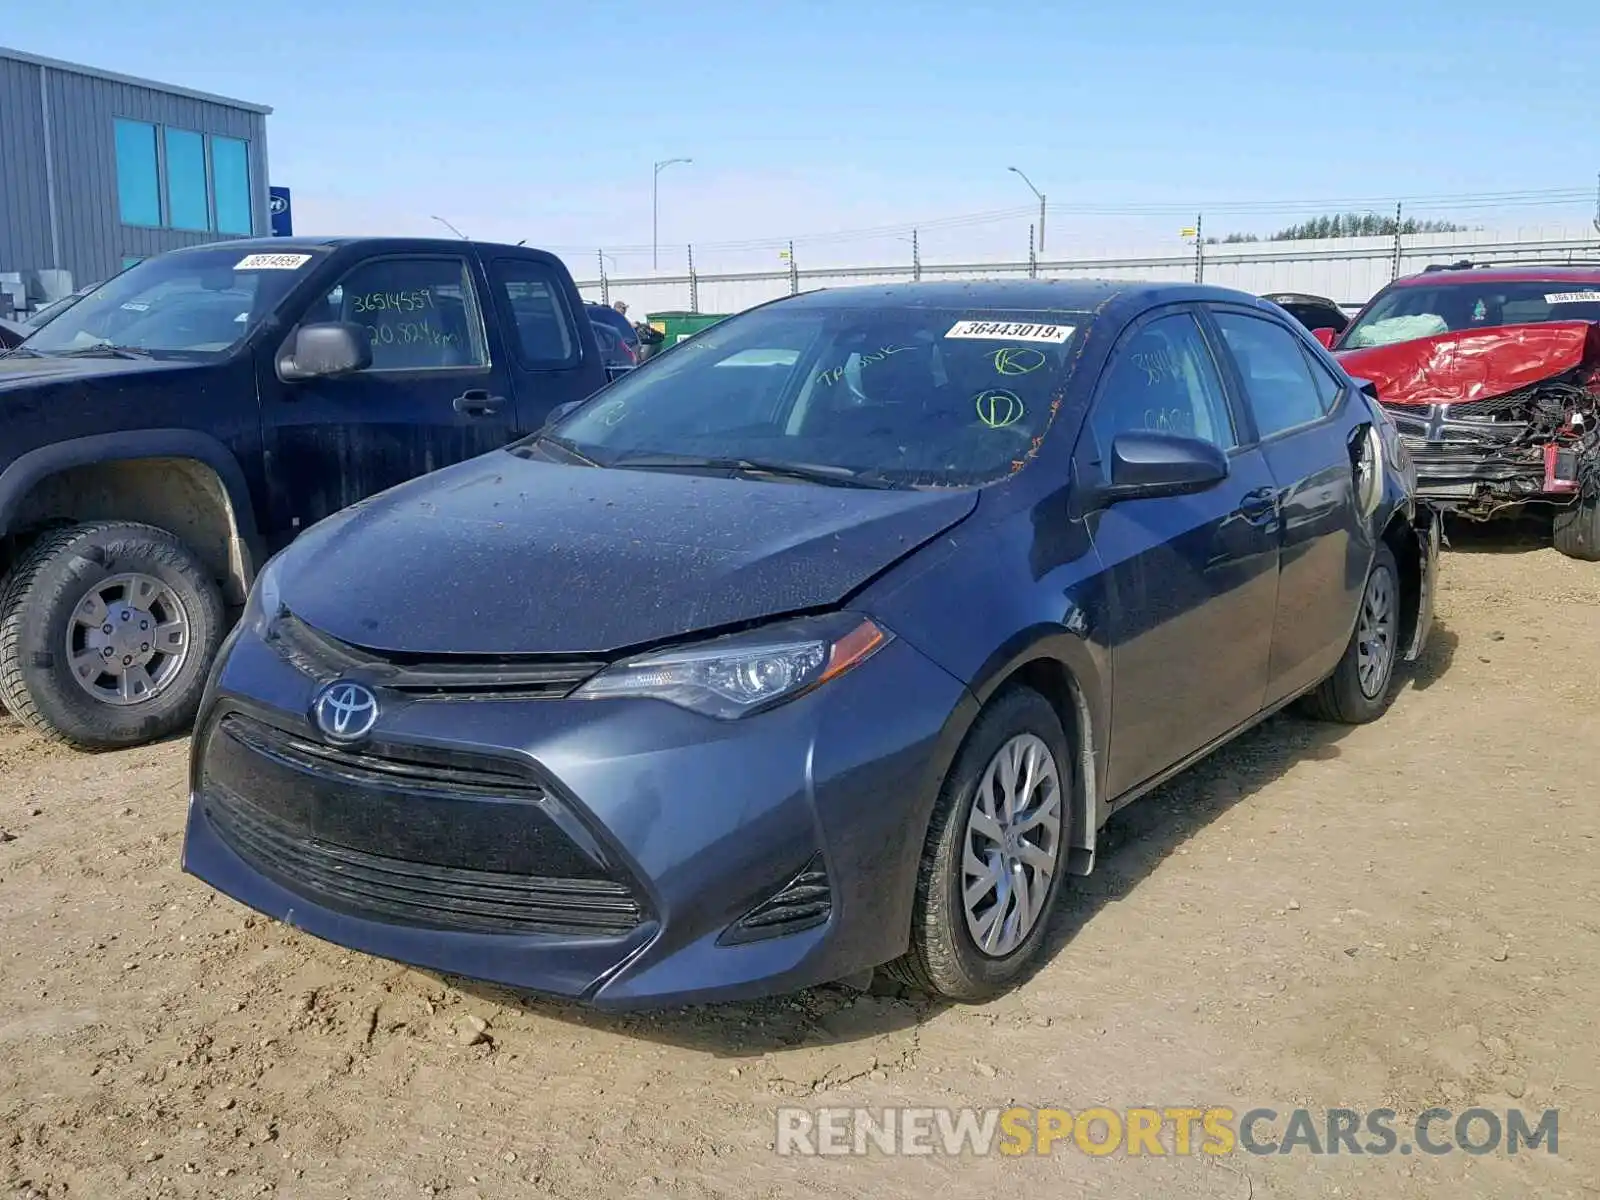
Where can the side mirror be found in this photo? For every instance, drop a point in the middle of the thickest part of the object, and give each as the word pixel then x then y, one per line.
pixel 1326 337
pixel 616 370
pixel 1145 465
pixel 325 349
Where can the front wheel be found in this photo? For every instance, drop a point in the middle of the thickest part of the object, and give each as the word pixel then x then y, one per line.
pixel 107 633
pixel 1577 529
pixel 994 856
pixel 1362 685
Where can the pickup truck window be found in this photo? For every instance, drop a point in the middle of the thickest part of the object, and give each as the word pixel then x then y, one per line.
pixel 532 298
pixel 421 313
pixel 193 304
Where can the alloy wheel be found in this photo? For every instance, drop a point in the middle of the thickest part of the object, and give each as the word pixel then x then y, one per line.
pixel 128 639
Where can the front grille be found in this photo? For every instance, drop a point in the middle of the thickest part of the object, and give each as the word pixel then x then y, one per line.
pixel 390 766
pixel 437 839
pixel 805 902
pixel 325 658
pixel 414 894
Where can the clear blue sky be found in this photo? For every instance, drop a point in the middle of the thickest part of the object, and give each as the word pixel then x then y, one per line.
pixel 542 120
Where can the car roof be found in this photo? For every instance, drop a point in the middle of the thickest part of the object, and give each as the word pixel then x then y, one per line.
pixel 291 245
pixel 1530 273
pixel 1023 295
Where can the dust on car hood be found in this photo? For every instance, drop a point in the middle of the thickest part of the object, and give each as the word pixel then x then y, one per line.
pixel 505 555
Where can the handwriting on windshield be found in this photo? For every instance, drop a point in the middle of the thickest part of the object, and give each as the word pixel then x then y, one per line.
pixel 1169 420
pixel 373 302
pixel 833 375
pixel 999 407
pixel 1018 360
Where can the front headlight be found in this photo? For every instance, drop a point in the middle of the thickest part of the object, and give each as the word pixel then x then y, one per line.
pixel 749 672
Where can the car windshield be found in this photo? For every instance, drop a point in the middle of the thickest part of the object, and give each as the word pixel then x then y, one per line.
pixel 196 304
pixel 1425 310
pixel 904 396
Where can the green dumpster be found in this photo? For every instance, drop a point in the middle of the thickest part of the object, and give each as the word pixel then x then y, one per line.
pixel 675 326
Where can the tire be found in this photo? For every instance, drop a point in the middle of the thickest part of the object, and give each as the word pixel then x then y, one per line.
pixel 1343 696
pixel 945 958
pixel 41 606
pixel 1577 529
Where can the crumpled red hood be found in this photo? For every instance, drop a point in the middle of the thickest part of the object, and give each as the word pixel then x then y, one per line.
pixel 1452 368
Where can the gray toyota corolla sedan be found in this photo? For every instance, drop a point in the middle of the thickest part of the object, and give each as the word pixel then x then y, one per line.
pixel 827 639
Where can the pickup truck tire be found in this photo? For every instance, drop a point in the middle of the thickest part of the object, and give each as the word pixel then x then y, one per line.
pixel 87 591
pixel 1362 685
pixel 1577 529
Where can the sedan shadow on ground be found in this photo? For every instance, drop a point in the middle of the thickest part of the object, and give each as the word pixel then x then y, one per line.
pixel 1134 843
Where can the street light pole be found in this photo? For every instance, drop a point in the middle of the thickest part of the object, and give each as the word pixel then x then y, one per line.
pixel 1039 194
pixel 655 209
pixel 451 228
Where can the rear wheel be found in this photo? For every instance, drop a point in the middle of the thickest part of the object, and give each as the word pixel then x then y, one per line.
pixel 1362 685
pixel 107 632
pixel 994 856
pixel 1577 529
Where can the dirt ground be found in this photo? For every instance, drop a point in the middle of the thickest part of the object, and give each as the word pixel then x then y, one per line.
pixel 1402 915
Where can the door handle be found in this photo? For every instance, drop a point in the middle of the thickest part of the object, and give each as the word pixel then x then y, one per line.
pixel 476 402
pixel 1260 506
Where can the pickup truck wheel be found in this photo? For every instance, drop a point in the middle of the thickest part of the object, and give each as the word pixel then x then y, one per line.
pixel 1362 685
pixel 1577 529
pixel 107 633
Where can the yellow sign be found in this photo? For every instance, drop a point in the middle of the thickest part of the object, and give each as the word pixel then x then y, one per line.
pixel 1189 233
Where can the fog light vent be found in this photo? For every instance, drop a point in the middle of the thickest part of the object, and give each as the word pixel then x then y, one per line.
pixel 803 903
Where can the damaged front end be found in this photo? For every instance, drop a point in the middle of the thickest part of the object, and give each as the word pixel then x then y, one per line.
pixel 1497 417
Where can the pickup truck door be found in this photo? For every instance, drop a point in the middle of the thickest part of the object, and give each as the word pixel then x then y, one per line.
pixel 438 390
pixel 553 355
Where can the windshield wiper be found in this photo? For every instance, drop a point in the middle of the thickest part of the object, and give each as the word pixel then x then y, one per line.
pixel 810 472
pixel 566 446
pixel 106 349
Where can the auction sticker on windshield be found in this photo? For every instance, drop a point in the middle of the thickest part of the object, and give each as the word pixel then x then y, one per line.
pixel 1571 297
pixel 272 262
pixel 1011 331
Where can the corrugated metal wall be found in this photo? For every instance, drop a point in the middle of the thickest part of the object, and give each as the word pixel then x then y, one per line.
pixel 24 204
pixel 80 109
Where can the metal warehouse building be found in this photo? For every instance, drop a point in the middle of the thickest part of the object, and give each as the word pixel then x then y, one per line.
pixel 99 170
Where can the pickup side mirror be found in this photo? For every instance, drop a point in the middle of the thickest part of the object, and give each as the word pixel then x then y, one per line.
pixel 1145 465
pixel 1325 336
pixel 325 349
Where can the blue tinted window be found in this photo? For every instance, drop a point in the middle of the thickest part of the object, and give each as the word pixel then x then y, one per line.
pixel 138 189
pixel 186 180
pixel 230 179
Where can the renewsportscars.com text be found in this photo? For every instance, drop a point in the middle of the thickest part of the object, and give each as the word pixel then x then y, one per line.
pixel 1178 1131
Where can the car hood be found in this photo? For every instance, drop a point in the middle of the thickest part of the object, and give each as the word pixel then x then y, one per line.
pixel 507 555
pixel 1454 368
pixel 22 371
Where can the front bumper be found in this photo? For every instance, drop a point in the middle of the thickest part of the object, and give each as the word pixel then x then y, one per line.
pixel 1477 464
pixel 602 850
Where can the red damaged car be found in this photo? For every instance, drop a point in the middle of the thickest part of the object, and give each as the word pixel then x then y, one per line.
pixel 1492 375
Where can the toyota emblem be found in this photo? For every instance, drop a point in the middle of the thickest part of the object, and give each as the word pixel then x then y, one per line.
pixel 345 711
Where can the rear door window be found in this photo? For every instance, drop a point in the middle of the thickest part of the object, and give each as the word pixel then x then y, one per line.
pixel 421 313
pixel 543 335
pixel 1279 386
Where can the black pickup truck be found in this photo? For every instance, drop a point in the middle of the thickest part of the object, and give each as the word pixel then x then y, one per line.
pixel 184 421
